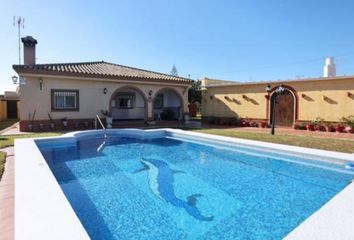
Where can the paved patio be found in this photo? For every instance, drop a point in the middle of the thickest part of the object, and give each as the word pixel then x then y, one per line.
pixel 7 197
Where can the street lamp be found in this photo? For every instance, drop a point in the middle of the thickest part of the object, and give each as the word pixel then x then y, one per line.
pixel 278 90
pixel 14 79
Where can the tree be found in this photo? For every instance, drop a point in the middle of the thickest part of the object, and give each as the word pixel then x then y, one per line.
pixel 194 93
pixel 174 71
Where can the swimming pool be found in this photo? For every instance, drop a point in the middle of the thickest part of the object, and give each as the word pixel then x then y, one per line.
pixel 173 186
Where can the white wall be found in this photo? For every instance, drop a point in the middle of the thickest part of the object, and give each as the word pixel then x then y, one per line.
pixel 92 99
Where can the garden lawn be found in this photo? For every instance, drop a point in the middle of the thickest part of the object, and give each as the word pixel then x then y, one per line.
pixel 332 144
pixel 8 140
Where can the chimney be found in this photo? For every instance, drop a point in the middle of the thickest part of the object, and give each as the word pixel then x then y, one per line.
pixel 29 50
pixel 329 70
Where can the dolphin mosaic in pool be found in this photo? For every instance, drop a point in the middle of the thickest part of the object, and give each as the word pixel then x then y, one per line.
pixel 161 178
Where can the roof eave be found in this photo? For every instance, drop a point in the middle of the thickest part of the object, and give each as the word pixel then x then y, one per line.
pixel 20 70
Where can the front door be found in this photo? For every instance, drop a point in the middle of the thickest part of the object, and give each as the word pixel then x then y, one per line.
pixel 11 109
pixel 284 109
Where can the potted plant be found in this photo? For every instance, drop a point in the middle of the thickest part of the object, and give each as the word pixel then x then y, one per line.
pixel 330 128
pixel 318 124
pixel 310 127
pixel 253 124
pixel 52 124
pixel 245 123
pixel 349 121
pixel 109 119
pixel 65 122
pixel 262 124
pixel 340 128
pixel 320 127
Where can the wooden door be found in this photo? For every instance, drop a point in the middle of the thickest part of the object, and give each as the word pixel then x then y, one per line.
pixel 284 109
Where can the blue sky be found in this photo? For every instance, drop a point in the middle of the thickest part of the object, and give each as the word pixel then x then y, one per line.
pixel 237 40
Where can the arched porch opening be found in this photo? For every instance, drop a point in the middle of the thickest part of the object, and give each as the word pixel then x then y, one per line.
pixel 168 105
pixel 128 103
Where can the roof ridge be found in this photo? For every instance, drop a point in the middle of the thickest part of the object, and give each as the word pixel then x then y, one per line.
pixel 58 63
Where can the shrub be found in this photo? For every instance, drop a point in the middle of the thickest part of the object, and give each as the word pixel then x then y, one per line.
pixel 349 120
pixel 317 121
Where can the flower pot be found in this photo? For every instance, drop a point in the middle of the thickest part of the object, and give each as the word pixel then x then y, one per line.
pixel 41 126
pixel 310 127
pixel 109 121
pixel 262 124
pixel 349 129
pixel 340 129
pixel 330 129
pixel 245 124
pixel 52 125
pixel 320 128
pixel 30 127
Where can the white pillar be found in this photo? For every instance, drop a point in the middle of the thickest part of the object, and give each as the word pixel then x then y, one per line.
pixel 150 110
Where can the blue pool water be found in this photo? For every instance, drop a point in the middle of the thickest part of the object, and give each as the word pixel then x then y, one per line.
pixel 171 188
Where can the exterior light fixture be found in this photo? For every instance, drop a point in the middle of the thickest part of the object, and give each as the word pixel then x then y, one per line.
pixel 105 90
pixel 278 90
pixel 150 93
pixel 268 89
pixel 40 84
pixel 14 79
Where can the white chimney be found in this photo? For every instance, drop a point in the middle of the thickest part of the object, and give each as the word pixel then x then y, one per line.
pixel 329 70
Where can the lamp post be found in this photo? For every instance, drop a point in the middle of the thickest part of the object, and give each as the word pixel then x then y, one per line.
pixel 278 90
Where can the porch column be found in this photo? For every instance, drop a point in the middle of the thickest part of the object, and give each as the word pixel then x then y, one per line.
pixel 150 110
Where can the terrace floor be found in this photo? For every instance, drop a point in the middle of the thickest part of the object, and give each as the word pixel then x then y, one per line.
pixel 7 197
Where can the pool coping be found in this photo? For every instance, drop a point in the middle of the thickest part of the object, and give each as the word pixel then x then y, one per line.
pixel 37 191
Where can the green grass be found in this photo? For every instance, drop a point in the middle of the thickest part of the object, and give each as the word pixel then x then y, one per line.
pixel 2 163
pixel 332 144
pixel 6 141
pixel 7 123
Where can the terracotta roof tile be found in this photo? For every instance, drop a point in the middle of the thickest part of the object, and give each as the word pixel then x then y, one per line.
pixel 96 69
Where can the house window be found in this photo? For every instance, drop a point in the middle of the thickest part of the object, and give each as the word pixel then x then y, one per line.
pixel 125 100
pixel 65 100
pixel 158 103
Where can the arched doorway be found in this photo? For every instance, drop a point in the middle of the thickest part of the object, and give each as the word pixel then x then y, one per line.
pixel 167 105
pixel 128 103
pixel 284 107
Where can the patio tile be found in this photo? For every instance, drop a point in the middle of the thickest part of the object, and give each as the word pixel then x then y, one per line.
pixel 7 200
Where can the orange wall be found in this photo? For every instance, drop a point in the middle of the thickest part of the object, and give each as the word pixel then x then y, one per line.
pixel 327 99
